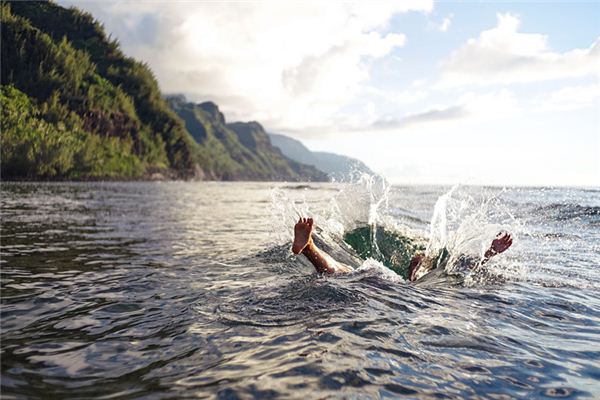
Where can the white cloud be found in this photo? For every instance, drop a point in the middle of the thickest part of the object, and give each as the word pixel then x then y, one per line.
pixel 491 105
pixel 569 98
pixel 287 64
pixel 402 97
pixel 503 55
pixel 472 106
pixel 433 115
pixel 446 22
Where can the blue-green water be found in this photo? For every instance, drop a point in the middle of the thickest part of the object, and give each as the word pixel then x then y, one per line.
pixel 185 290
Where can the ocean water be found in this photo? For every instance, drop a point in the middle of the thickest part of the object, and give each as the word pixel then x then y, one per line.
pixel 189 290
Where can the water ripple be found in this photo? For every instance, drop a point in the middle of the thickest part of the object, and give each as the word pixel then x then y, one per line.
pixel 180 290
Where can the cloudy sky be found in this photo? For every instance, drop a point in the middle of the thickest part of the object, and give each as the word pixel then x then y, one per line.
pixel 423 92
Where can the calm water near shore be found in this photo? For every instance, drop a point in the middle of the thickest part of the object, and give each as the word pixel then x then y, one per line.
pixel 189 290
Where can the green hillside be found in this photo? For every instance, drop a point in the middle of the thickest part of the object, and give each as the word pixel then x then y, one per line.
pixel 75 107
pixel 239 151
pixel 80 83
pixel 253 136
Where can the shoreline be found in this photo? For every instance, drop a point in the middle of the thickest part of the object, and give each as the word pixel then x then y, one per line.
pixel 149 179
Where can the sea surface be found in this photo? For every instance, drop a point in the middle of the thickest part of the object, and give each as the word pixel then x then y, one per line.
pixel 189 290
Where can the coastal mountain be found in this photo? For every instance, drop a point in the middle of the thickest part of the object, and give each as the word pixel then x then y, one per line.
pixel 74 106
pixel 338 167
pixel 253 136
pixel 238 151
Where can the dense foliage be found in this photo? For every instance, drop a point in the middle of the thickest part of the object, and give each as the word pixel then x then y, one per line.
pixel 75 107
pixel 253 136
pixel 72 83
pixel 241 150
pixel 32 147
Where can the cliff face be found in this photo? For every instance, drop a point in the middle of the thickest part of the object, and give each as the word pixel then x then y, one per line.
pixel 338 167
pixel 75 107
pixel 238 151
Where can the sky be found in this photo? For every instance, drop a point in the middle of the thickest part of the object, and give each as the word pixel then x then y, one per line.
pixel 498 92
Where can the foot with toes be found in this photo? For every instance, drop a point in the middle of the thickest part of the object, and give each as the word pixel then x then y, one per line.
pixel 302 234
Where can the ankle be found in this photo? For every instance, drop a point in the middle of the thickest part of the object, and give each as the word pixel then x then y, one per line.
pixel 490 253
pixel 309 248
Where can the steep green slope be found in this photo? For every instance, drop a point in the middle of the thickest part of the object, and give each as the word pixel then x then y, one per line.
pixel 234 153
pixel 158 135
pixel 253 136
pixel 70 70
pixel 32 148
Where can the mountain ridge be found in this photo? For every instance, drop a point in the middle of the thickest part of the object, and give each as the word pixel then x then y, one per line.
pixel 337 166
pixel 243 149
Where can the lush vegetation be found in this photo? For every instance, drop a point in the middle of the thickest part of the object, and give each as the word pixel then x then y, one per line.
pixel 33 147
pixel 241 150
pixel 65 90
pixel 75 107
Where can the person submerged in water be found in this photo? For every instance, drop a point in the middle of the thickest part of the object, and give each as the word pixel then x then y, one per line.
pixel 419 266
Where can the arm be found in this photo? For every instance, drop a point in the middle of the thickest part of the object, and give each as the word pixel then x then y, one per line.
pixel 420 265
pixel 419 262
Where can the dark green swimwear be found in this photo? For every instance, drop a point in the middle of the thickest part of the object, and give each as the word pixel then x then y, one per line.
pixel 396 251
pixel 391 249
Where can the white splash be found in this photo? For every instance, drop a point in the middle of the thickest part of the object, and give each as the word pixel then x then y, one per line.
pixel 438 228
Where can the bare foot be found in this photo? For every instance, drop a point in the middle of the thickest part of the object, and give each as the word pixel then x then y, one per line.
pixel 302 234
pixel 501 243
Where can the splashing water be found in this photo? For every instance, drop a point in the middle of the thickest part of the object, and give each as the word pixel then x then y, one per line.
pixel 438 231
pixel 378 190
pixel 461 219
pixel 463 222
